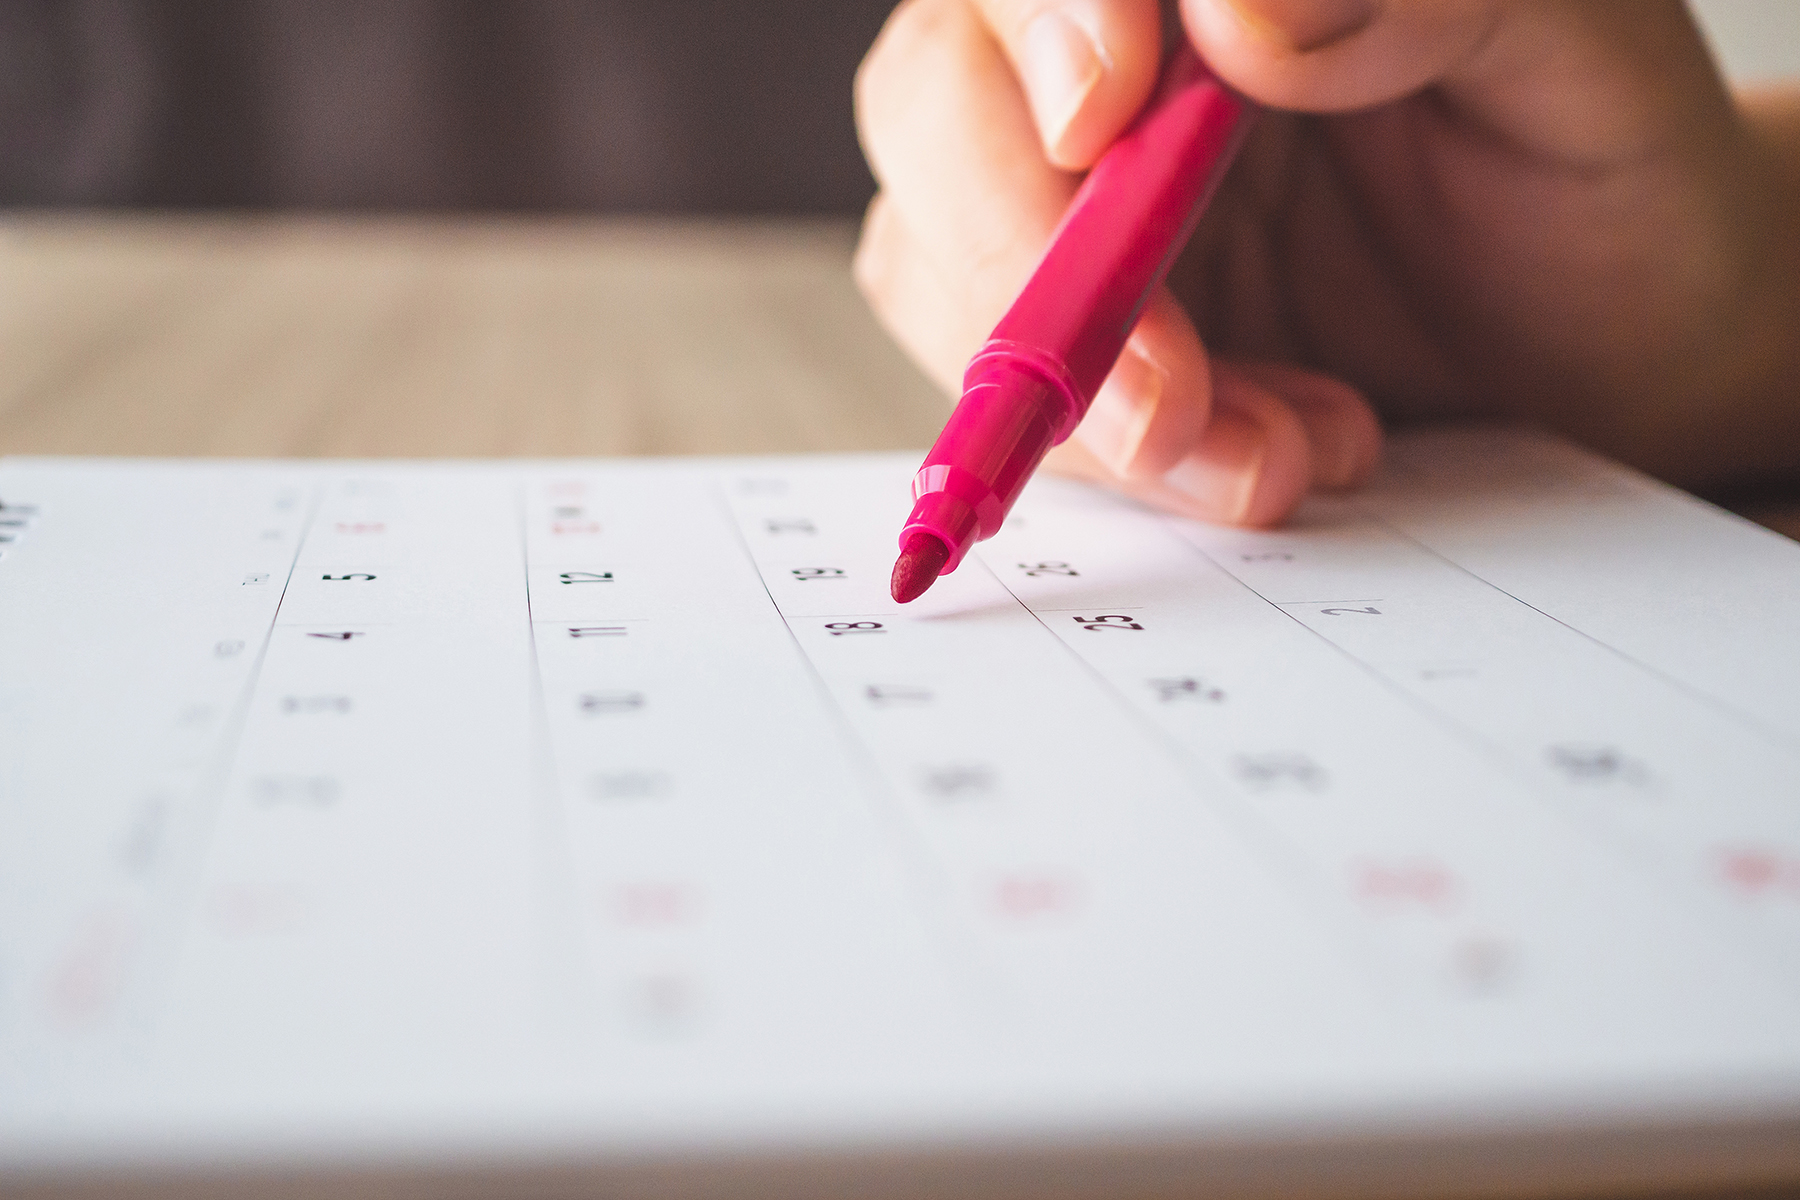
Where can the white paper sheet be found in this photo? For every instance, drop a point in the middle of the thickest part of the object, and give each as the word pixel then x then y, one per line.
pixel 431 816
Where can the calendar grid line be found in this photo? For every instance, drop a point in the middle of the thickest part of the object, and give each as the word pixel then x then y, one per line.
pixel 560 954
pixel 183 888
pixel 1625 847
pixel 1443 720
pixel 1774 735
pixel 1215 791
pixel 929 882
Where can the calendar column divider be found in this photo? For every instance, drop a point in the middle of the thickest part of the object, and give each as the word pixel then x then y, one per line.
pixel 196 832
pixel 959 951
pixel 561 940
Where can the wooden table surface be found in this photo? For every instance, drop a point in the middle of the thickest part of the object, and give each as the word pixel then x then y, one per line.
pixel 420 337
pixel 334 336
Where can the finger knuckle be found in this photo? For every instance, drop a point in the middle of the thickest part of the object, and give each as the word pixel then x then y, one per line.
pixel 910 32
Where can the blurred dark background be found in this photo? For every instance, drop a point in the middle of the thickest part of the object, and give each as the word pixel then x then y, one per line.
pixel 676 106
pixel 681 106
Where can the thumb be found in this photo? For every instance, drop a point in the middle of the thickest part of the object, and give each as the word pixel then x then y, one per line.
pixel 1571 81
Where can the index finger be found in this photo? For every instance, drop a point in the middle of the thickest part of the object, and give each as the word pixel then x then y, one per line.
pixel 1087 67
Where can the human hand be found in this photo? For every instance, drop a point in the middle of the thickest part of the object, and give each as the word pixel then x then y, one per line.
pixel 1545 210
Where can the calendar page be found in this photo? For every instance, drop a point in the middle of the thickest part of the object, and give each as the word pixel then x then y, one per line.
pixel 604 824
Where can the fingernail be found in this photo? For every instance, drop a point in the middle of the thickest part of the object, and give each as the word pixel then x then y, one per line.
pixel 1123 408
pixel 1222 473
pixel 1061 61
pixel 1303 26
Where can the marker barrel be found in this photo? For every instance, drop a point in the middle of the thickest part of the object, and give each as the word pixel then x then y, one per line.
pixel 1032 382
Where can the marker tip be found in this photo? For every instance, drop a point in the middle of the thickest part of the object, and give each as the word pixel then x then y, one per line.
pixel 922 559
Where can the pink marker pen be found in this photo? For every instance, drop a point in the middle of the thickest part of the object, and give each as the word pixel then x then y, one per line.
pixel 1030 385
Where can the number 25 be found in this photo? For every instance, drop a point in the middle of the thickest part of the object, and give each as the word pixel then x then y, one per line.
pixel 1110 621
